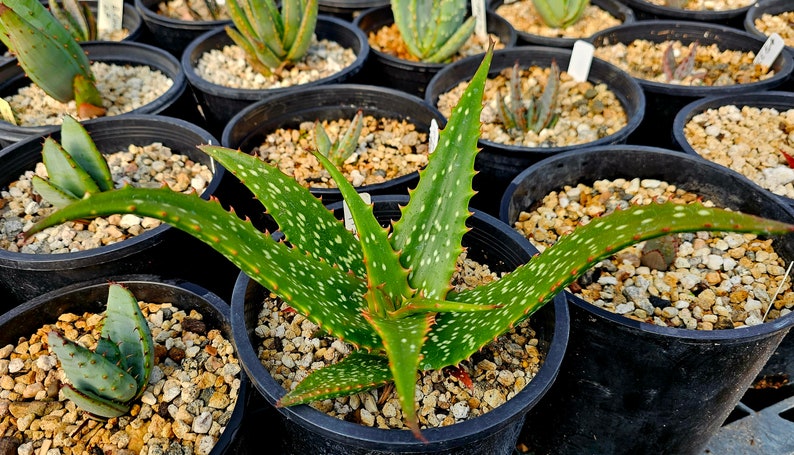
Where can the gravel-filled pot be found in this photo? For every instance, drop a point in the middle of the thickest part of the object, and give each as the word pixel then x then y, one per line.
pixel 173 35
pixel 411 76
pixel 212 329
pixel 562 37
pixel 498 163
pixel 160 250
pixel 777 12
pixel 662 389
pixel 253 125
pixel 667 98
pixel 304 429
pixel 176 101
pixel 656 9
pixel 220 103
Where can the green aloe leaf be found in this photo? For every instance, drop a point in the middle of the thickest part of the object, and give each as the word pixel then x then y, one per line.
pixel 64 172
pixel 95 404
pixel 532 285
pixel 78 143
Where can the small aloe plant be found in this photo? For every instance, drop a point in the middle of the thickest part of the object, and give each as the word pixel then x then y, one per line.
pixel 271 38
pixel 344 146
pixel 674 71
pixel 433 31
pixel 387 291
pixel 50 55
pixel 560 13
pixel 74 168
pixel 108 379
pixel 76 17
pixel 528 113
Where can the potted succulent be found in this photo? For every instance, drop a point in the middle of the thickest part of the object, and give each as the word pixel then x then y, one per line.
pixel 765 17
pixel 560 24
pixel 605 109
pixel 35 267
pixel 282 49
pixel 395 307
pixel 388 153
pixel 180 333
pixel 174 24
pixel 80 18
pixel 407 53
pixel 677 62
pixel 52 75
pixel 636 345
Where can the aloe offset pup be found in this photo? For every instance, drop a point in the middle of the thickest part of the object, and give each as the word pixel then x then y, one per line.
pixel 50 55
pixel 108 379
pixel 387 291
pixel 560 13
pixel 433 30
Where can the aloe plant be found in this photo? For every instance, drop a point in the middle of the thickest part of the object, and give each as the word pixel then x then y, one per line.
pixel 525 112
pixel 674 71
pixel 432 30
pixel 74 168
pixel 271 38
pixel 387 291
pixel 108 379
pixel 560 13
pixel 76 17
pixel 345 144
pixel 50 55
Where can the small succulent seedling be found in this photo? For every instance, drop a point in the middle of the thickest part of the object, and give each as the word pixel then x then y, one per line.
pixel 77 17
pixel 108 379
pixel 524 112
pixel 50 55
pixel 214 10
pixel 271 38
pixel 560 13
pixel 74 168
pixel 674 71
pixel 387 291
pixel 344 145
pixel 660 253
pixel 433 31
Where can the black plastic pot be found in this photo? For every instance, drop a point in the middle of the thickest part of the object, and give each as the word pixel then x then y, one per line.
pixel 220 103
pixel 303 429
pixel 665 100
pixel 249 127
pixel 613 7
pixel 170 34
pixel 165 251
pixel 629 387
pixel 408 76
pixel 177 101
pixel 91 296
pixel 762 7
pixel 648 11
pixel 498 163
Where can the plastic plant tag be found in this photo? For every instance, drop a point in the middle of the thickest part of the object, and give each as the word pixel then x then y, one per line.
pixel 581 58
pixel 769 51
pixel 348 217
pixel 478 11
pixel 6 113
pixel 110 14
pixel 432 141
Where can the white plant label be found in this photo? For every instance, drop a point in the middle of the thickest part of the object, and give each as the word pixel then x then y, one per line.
pixel 769 51
pixel 350 225
pixel 6 113
pixel 478 11
pixel 109 15
pixel 432 141
pixel 581 58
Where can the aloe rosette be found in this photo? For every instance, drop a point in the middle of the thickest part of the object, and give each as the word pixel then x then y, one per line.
pixel 50 55
pixel 560 13
pixel 525 112
pixel 432 30
pixel 272 38
pixel 387 291
pixel 106 381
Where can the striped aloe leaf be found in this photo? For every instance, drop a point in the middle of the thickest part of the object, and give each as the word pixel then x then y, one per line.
pixel 49 54
pixel 106 381
pixel 433 31
pixel 388 293
pixel 271 38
